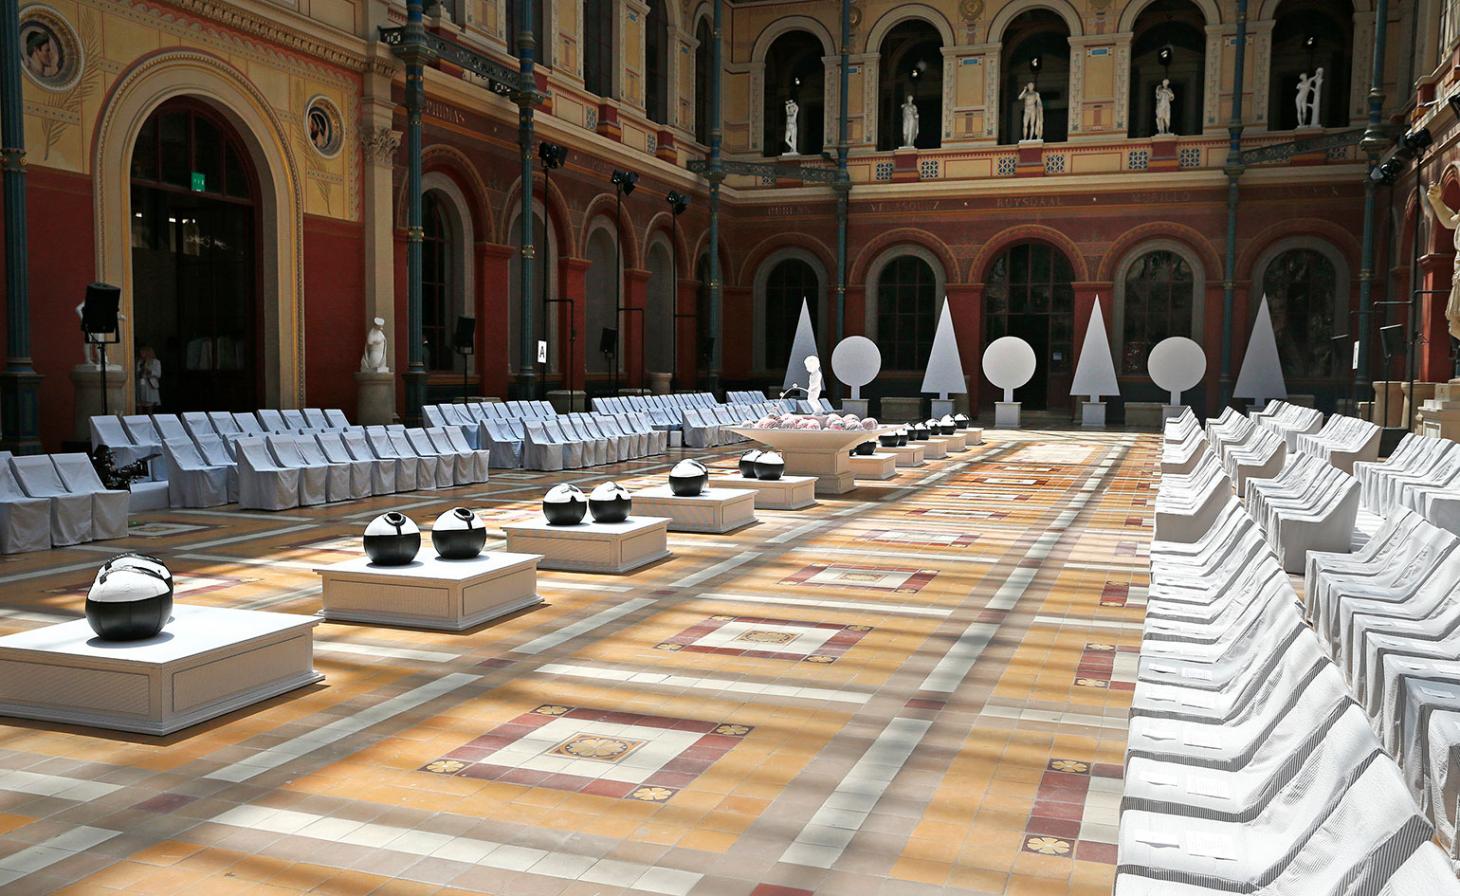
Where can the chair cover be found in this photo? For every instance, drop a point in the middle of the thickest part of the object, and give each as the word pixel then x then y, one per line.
pixel 109 507
pixel 449 439
pixel 541 452
pixel 168 426
pixel 313 480
pixel 191 481
pixel 264 484
pixel 247 423
pixel 294 419
pixel 383 470
pixel 315 419
pixel 338 484
pixel 434 472
pixel 216 452
pixel 196 423
pixel 361 471
pixel 505 449
pixel 336 418
pixel 25 522
pixel 458 469
pixel 422 470
pixel 70 512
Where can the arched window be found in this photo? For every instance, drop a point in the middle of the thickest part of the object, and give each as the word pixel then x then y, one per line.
pixel 794 71
pixel 1038 53
pixel 542 42
pixel 1169 45
pixel 907 300
pixel 1308 35
pixel 702 81
pixel 599 57
pixel 1030 293
pixel 436 290
pixel 545 244
pixel 1302 286
pixel 911 66
pixel 1159 293
pixel 659 322
pixel 656 63
pixel 790 282
pixel 600 314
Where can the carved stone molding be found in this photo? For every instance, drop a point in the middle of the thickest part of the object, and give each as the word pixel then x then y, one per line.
pixel 380 144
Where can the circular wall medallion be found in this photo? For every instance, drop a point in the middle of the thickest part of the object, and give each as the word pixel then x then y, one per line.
pixel 322 124
pixel 50 51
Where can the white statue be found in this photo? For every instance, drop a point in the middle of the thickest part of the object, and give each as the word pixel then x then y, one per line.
pixel 813 386
pixel 374 359
pixel 1164 96
pixel 909 122
pixel 1450 220
pixel 1033 112
pixel 1315 99
pixel 1304 99
pixel 792 111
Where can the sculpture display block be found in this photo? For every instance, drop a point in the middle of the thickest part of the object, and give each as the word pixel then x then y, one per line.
pixel 592 547
pixel 1006 414
pixel 432 593
pixel 713 510
pixel 786 493
pixel 952 443
pixel 1092 414
pixel 209 662
pixel 814 451
pixel 880 466
pixel 909 455
pixel 934 448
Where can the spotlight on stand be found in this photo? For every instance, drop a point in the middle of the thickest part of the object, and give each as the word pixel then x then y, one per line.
pixel 1386 171
pixel 552 155
pixel 1391 340
pixel 625 181
pixel 1408 147
pixel 678 202
pixel 1417 140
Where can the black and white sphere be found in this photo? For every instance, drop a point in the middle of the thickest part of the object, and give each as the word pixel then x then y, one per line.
pixel 458 534
pixel 919 432
pixel 865 449
pixel 689 478
pixel 131 598
pixel 747 463
pixel 770 466
pixel 392 539
pixel 564 505
pixel 961 421
pixel 947 426
pixel 610 503
pixel 902 437
pixel 889 439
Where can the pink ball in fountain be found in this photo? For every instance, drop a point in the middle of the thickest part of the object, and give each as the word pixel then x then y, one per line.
pixel 869 422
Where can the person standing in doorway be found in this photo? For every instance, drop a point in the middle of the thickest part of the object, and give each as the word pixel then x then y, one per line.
pixel 149 380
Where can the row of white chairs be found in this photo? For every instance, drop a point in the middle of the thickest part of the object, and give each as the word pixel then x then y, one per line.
pixel 1343 441
pixel 1248 768
pixel 56 500
pixel 1389 618
pixel 541 440
pixel 1288 420
pixel 1422 474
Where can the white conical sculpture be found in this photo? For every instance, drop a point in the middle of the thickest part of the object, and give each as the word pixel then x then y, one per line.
pixel 945 370
pixel 802 347
pixel 1095 372
pixel 1261 377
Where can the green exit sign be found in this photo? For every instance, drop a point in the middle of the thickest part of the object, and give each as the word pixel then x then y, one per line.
pixel 200 182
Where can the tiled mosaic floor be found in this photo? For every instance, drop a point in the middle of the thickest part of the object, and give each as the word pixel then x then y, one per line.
pixel 917 688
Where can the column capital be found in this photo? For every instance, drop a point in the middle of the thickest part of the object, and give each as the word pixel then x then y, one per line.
pixel 380 144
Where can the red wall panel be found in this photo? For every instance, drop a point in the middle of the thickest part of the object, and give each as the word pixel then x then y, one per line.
pixel 334 311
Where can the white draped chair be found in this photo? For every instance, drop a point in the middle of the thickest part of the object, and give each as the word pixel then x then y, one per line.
pixel 450 439
pixel 70 512
pixel 218 452
pixel 25 522
pixel 339 484
pixel 109 507
pixel 264 483
pixel 192 481
pixel 387 474
pixel 313 480
pixel 362 472
pixel 458 468
pixel 440 472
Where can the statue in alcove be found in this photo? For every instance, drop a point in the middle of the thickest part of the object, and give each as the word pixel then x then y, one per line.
pixel 909 123
pixel 793 111
pixel 1164 96
pixel 1033 112
pixel 1449 219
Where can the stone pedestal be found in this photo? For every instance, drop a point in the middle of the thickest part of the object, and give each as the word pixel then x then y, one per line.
pixel 714 510
pixel 856 406
pixel 934 449
pixel 1006 414
pixel 901 410
pixel 659 383
pixel 592 547
pixel 568 401
pixel 207 662
pixel 1388 406
pixel 87 381
pixel 1144 414
pixel 1092 414
pixel 940 408
pixel 952 444
pixel 448 595
pixel 909 455
pixel 973 435
pixel 375 398
pixel 1422 392
pixel 1440 415
pixel 786 493
pixel 882 465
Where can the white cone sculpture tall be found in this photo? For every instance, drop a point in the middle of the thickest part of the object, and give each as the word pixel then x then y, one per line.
pixel 945 369
pixel 802 347
pixel 1261 377
pixel 1095 372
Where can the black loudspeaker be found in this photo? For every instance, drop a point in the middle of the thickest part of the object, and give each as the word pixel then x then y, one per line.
pixel 466 333
pixel 1391 339
pixel 608 341
pixel 99 311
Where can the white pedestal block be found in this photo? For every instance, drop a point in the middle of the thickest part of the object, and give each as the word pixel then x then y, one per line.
pixel 973 435
pixel 1092 414
pixel 714 510
pixel 952 444
pixel 207 662
pixel 909 455
pixel 882 465
pixel 786 493
pixel 856 406
pixel 375 398
pixel 1006 414
pixel 449 595
pixel 940 407
pixel 934 448
pixel 592 547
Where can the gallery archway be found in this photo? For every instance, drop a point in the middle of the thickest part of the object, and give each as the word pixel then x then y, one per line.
pixel 1029 292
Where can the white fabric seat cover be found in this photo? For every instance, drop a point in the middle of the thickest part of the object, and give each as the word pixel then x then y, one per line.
pixel 70 512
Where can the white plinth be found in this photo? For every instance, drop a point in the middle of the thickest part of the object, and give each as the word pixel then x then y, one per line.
pixel 1092 414
pixel 786 493
pixel 881 465
pixel 1006 414
pixel 856 406
pixel 592 547
pixel 940 407
pixel 909 455
pixel 952 444
pixel 449 595
pixel 714 510
pixel 207 662
pixel 819 453
pixel 972 435
pixel 934 448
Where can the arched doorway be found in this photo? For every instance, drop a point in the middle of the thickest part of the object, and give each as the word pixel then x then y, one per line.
pixel 794 71
pixel 1029 292
pixel 1308 35
pixel 600 315
pixel 1307 295
pixel 195 268
pixel 437 290
pixel 659 322
pixel 911 66
pixel 1038 43
pixel 789 282
pixel 907 299
pixel 1169 45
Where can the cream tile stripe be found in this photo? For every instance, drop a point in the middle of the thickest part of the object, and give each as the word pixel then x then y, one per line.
pixel 58 786
pixel 583 626
pixel 48 852
pixel 625 676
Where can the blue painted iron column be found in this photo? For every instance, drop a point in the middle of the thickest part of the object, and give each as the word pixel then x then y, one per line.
pixel 1234 170
pixel 526 385
pixel 715 175
pixel 415 55
pixel 19 383
pixel 1375 142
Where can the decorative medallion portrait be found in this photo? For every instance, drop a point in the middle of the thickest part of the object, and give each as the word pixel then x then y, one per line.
pixel 50 52
pixel 322 126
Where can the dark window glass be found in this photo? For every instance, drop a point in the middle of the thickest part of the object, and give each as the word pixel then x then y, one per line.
pixel 702 82
pixel 543 46
pixel 790 282
pixel 906 300
pixel 435 283
pixel 656 62
pixel 1301 286
pixel 1158 303
pixel 1030 293
pixel 598 55
pixel 176 156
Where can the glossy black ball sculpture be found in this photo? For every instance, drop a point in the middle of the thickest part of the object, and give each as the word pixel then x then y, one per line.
pixel 918 432
pixel 961 421
pixel 457 534
pixel 946 426
pixel 689 478
pixel 392 539
pixel 888 439
pixel 770 466
pixel 902 437
pixel 131 598
pixel 747 463
pixel 865 449
pixel 610 503
pixel 564 505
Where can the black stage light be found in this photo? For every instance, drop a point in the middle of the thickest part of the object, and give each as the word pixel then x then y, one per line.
pixel 678 202
pixel 625 181
pixel 608 341
pixel 99 311
pixel 1416 140
pixel 466 334
pixel 552 155
pixel 1386 171
pixel 1391 339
